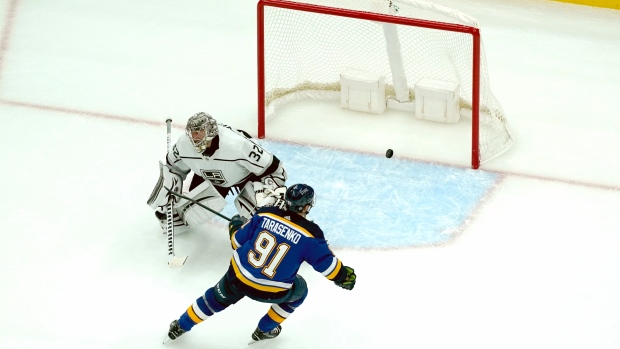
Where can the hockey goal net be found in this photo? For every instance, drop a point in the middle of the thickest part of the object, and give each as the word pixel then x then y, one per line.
pixel 304 46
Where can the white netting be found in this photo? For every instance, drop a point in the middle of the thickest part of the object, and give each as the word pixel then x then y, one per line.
pixel 305 53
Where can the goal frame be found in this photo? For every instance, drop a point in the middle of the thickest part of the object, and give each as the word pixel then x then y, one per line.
pixel 377 17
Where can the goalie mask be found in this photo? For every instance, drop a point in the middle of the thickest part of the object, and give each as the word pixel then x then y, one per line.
pixel 299 196
pixel 201 129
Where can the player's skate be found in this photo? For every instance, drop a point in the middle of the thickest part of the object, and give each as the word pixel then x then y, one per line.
pixel 259 335
pixel 175 331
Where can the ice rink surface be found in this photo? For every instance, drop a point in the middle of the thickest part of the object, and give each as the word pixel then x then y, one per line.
pixel 523 253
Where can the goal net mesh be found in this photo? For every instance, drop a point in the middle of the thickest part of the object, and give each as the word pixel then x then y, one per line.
pixel 305 52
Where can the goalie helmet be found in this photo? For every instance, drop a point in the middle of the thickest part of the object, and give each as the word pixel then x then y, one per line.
pixel 299 196
pixel 201 129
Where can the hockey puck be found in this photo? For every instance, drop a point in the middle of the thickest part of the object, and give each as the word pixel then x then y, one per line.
pixel 389 153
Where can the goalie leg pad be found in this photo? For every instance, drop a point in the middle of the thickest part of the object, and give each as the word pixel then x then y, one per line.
pixel 194 215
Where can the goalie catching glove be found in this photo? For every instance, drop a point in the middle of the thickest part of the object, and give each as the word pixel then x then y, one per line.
pixel 274 197
pixel 349 281
pixel 267 192
pixel 259 194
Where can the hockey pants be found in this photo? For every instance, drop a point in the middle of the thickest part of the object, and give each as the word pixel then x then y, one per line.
pixel 227 292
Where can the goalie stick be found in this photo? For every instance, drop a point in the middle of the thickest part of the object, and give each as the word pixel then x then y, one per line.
pixel 173 260
pixel 197 203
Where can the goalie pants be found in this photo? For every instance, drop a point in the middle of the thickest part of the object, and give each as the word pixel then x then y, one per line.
pixel 229 290
pixel 197 180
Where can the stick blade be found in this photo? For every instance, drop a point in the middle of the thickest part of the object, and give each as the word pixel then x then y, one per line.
pixel 177 261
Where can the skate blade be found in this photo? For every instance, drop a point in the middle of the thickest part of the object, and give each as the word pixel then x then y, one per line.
pixel 256 341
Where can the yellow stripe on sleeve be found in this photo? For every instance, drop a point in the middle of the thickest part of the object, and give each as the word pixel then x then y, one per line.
pixel 333 274
pixel 235 245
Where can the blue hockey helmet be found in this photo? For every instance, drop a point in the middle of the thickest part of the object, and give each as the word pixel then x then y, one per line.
pixel 299 196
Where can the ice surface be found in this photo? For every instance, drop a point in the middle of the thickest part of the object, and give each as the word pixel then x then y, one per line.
pixel 522 254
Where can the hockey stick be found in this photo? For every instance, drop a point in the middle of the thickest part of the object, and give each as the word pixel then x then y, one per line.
pixel 173 261
pixel 197 203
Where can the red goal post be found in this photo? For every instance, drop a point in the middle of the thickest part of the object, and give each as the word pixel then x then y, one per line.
pixel 427 41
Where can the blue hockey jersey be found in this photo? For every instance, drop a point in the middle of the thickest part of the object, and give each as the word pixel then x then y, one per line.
pixel 270 248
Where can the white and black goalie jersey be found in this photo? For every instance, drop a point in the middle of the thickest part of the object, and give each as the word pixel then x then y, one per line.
pixel 232 159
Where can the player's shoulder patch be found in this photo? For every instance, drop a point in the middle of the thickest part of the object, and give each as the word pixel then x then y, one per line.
pixel 232 139
pixel 184 147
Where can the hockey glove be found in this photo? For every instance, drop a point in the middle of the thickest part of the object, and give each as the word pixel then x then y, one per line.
pixel 168 181
pixel 349 282
pixel 235 223
pixel 274 198
pixel 263 189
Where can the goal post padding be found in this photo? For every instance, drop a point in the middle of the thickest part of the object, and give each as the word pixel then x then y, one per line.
pixel 304 46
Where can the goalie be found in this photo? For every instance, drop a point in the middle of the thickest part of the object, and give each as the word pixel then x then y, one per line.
pixel 223 161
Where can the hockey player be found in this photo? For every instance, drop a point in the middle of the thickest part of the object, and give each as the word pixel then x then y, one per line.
pixel 268 251
pixel 222 160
